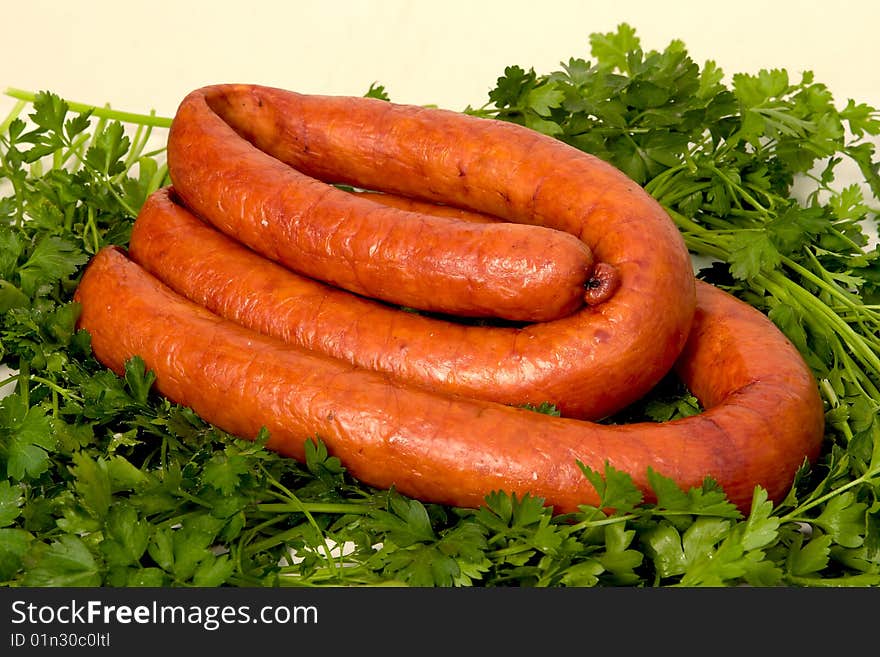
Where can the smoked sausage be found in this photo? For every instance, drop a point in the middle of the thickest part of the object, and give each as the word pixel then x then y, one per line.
pixel 554 362
pixel 424 261
pixel 763 417
pixel 233 151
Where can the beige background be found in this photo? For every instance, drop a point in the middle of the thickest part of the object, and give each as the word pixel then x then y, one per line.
pixel 146 55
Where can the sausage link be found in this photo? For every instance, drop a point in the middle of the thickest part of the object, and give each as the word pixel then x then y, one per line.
pixel 424 261
pixel 764 416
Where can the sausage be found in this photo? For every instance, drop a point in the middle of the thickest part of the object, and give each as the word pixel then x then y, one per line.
pixel 599 287
pixel 763 418
pixel 590 363
pixel 429 262
pixel 554 362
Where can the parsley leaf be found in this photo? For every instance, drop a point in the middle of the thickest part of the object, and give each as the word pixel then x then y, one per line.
pixel 25 438
pixel 615 487
pixel 11 500
pixel 751 254
pixel 64 562
pixel 52 259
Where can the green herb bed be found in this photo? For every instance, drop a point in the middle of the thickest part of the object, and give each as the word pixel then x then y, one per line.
pixel 103 482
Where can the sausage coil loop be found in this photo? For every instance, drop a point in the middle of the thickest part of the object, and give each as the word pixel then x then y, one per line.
pixel 248 158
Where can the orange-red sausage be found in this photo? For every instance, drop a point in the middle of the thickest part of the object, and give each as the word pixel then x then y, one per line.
pixel 549 362
pixel 222 150
pixel 603 281
pixel 764 416
pixel 429 262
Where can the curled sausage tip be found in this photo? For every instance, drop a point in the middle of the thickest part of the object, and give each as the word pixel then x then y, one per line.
pixel 601 284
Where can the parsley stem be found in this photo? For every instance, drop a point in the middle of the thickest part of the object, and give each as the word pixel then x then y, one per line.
pixel 289 576
pixel 13 114
pixel 685 223
pixel 737 191
pixel 99 128
pixel 315 507
pixel 815 307
pixel 308 514
pixel 24 375
pixel 73 150
pixel 280 538
pixel 101 112
pixel 195 500
pixel 92 228
pixel 54 387
pixel 828 286
pixel 601 522
pixel 657 185
pixel 796 515
pixel 141 134
pixel 846 238
pixel 253 531
pixel 682 193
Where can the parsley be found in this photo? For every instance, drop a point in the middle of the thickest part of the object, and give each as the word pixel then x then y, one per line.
pixel 27 438
pixel 104 482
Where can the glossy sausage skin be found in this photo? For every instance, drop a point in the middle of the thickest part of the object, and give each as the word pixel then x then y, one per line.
pixel 764 417
pixel 603 281
pixel 547 362
pixel 424 261
pixel 426 207
pixel 628 342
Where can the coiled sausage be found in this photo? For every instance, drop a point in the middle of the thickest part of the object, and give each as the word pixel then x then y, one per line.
pixel 234 149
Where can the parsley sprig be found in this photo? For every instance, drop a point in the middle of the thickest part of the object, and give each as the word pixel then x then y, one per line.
pixel 104 482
